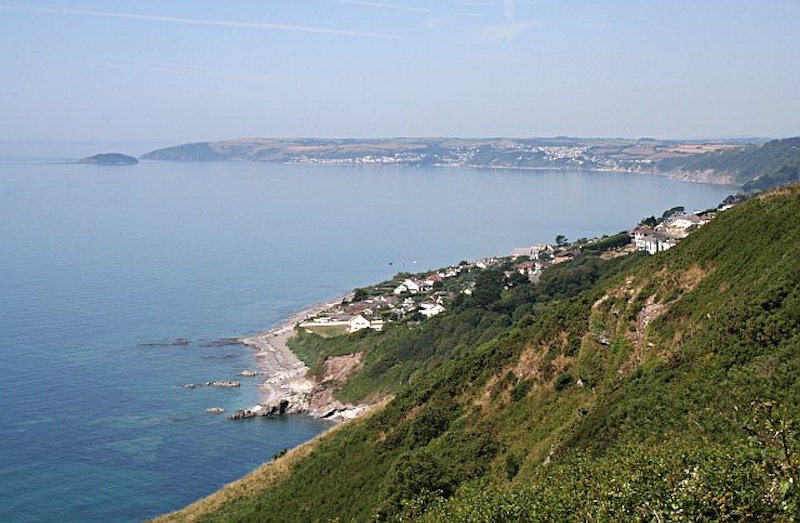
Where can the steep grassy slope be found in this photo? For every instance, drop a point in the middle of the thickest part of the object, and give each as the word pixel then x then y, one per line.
pixel 742 164
pixel 660 389
pixel 692 416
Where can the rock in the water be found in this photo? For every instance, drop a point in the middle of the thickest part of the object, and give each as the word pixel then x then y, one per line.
pixel 226 384
pixel 215 410
pixel 177 342
pixel 278 409
pixel 223 384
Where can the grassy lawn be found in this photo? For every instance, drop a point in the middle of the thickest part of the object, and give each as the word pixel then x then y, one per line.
pixel 328 331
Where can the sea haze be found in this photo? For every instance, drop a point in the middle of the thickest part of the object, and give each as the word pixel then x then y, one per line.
pixel 103 268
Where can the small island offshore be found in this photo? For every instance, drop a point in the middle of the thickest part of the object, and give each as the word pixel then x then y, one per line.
pixel 110 159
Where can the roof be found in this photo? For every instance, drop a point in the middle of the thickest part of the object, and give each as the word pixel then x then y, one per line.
pixel 688 217
pixel 655 237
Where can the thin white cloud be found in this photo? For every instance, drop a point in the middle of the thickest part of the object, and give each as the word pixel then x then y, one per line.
pixel 205 22
pixel 384 5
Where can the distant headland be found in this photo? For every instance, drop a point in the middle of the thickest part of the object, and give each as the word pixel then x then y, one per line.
pixel 110 159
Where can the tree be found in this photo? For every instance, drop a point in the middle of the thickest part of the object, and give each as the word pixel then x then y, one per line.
pixel 680 209
pixel 561 240
pixel 650 221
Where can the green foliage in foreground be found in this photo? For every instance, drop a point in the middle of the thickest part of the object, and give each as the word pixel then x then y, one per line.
pixel 655 390
pixel 677 481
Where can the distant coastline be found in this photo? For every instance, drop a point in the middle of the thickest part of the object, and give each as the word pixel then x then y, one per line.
pixel 642 156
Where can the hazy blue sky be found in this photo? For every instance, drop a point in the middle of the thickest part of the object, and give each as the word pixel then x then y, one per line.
pixel 177 71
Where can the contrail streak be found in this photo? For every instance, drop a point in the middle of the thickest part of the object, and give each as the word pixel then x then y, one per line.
pixel 201 21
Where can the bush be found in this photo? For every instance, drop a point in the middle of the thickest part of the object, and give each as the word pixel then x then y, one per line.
pixel 513 462
pixel 521 390
pixel 564 380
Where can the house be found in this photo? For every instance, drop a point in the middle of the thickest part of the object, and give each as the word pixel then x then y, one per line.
pixel 639 234
pixel 562 256
pixel 684 221
pixel 430 280
pixel 408 285
pixel 430 310
pixel 679 225
pixel 408 305
pixel 361 307
pixel 358 323
pixel 654 243
pixel 532 252
pixel 526 267
pixel 518 252
pixel 388 300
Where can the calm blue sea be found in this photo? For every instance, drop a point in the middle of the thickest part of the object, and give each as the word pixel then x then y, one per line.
pixel 102 266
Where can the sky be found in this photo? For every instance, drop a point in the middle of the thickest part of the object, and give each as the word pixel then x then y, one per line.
pixel 176 71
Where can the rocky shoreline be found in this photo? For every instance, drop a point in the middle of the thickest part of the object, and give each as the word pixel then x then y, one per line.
pixel 286 390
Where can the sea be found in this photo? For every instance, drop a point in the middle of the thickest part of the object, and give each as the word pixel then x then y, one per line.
pixel 119 284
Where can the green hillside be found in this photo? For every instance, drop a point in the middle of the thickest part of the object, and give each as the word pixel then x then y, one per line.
pixel 635 388
pixel 743 164
pixel 784 175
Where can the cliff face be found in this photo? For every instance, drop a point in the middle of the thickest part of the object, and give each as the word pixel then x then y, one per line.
pixel 289 390
pixel 710 176
pixel 652 388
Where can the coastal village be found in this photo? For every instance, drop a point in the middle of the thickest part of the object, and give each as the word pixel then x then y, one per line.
pixel 409 298
pixel 417 297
